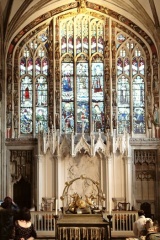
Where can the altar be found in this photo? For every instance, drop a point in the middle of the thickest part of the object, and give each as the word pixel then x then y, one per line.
pixel 82 212
pixel 83 227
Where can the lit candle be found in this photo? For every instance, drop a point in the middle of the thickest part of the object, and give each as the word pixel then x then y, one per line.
pixel 56 206
pixel 104 200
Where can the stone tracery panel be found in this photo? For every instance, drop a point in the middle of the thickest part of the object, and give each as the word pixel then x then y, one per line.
pixel 21 165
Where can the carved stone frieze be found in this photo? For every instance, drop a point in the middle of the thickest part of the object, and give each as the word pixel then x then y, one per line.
pixel 144 142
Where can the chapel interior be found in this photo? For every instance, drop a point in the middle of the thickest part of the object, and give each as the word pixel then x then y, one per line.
pixel 79 99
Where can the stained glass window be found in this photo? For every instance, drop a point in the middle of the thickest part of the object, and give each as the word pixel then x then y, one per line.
pixel 82 82
pixel 82 86
pixel 130 62
pixel 34 85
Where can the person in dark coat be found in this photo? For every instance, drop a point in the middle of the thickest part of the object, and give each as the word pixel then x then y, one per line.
pixel 8 210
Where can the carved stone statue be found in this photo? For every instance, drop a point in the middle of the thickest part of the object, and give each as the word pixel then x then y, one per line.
pixel 114 122
pixel 156 114
pixel 82 6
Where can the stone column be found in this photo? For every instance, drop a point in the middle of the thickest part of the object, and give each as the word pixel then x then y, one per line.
pixel 39 181
pixel 109 183
pixel 128 178
pixel 157 202
pixel 59 179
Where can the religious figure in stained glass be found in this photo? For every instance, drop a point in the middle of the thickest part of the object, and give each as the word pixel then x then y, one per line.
pixel 26 93
pixel 67 84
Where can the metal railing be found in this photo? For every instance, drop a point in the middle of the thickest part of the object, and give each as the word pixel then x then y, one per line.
pixel 122 223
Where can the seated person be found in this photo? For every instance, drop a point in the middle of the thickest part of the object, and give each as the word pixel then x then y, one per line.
pixel 151 231
pixel 139 228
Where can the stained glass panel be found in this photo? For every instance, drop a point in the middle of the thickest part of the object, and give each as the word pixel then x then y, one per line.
pixel 37 66
pixel 82 116
pixel 70 27
pixel 30 66
pixel 41 91
pixel 63 45
pixel 67 116
pixel 121 38
pixel 78 45
pixel 26 105
pixel 67 81
pixel 141 66
pixel 26 92
pixel 26 115
pixel 70 45
pixel 122 52
pixel 42 118
pixel 93 37
pixel 134 66
pixel 85 45
pixel 100 38
pixel 85 33
pixel 138 106
pixel 138 92
pixel 119 66
pixel 97 81
pixel 45 66
pixel 123 97
pixel 123 100
pixel 82 82
pixel 98 116
pixel 82 97
pixel 138 121
pixel 22 66
pixel 26 52
pixel 123 119
pixel 41 52
pixel 126 66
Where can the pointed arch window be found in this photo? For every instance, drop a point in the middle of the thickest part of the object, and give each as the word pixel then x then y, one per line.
pixel 34 85
pixel 130 85
pixel 82 39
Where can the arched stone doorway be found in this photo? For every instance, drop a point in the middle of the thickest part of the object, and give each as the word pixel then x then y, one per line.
pixel 22 193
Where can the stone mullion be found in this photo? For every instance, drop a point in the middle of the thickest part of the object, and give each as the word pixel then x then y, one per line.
pixel 107 72
pixel 113 78
pixel 57 77
pixel 50 76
